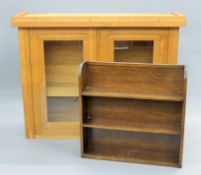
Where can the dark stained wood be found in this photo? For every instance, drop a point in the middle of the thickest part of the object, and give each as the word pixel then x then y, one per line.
pixel 131 146
pixel 183 120
pixel 132 112
pixel 144 80
pixel 109 93
pixel 136 115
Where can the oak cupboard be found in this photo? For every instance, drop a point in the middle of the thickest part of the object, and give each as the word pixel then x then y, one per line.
pixel 133 112
pixel 53 45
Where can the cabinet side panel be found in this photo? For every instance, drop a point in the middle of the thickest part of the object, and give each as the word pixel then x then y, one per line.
pixel 173 46
pixel 26 82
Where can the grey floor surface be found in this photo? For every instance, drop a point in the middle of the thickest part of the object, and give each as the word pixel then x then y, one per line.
pixel 21 156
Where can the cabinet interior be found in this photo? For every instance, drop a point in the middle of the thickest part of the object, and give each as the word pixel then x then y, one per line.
pixel 63 109
pixel 133 51
pixel 62 60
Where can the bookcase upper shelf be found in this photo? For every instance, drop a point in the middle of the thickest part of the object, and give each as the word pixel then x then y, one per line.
pixel 143 82
pixel 25 19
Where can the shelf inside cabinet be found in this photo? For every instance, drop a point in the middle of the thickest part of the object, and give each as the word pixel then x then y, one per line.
pixel 118 94
pixel 63 109
pixel 62 59
pixel 132 126
pixel 62 80
pixel 133 51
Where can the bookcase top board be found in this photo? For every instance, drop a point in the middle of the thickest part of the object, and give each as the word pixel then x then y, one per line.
pixel 49 20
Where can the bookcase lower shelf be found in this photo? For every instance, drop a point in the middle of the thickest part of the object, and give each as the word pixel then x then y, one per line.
pixel 135 127
pixel 131 146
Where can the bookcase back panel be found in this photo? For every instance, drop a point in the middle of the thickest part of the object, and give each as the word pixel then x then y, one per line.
pixel 145 80
pixel 128 146
pixel 130 111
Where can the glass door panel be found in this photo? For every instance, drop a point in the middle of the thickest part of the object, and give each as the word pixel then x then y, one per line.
pixel 63 109
pixel 134 51
pixel 62 60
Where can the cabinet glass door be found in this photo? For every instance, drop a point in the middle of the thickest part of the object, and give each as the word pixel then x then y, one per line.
pixel 62 60
pixel 134 45
pixel 56 57
pixel 133 51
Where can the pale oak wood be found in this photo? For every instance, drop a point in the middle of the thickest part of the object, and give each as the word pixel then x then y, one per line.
pixel 27 86
pixel 54 68
pixel 173 46
pixel 62 60
pixel 99 20
pixel 159 37
pixel 162 29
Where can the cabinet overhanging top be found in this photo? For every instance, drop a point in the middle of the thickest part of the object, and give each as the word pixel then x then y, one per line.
pixel 27 20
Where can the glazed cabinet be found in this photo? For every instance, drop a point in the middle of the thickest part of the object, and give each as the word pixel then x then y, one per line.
pixel 52 46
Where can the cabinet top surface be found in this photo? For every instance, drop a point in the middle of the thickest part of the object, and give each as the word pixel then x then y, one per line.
pixel 25 19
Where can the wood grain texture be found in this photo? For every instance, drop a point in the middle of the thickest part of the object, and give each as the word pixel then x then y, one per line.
pixel 173 45
pixel 131 147
pixel 132 114
pixel 38 82
pixel 132 128
pixel 62 60
pixel 150 81
pixel 26 77
pixel 98 20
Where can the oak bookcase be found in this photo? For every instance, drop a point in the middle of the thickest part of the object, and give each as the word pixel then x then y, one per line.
pixel 53 45
pixel 133 112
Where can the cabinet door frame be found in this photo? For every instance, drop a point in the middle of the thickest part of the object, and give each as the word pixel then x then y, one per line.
pixel 158 36
pixel 43 128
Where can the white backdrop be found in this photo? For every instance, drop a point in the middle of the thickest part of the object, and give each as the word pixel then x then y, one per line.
pixel 21 156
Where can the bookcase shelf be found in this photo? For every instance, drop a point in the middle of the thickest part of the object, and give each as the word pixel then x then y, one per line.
pixel 133 147
pixel 133 112
pixel 104 93
pixel 135 127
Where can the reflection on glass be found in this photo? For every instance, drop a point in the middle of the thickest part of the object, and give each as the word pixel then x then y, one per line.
pixel 62 60
pixel 63 109
pixel 133 51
